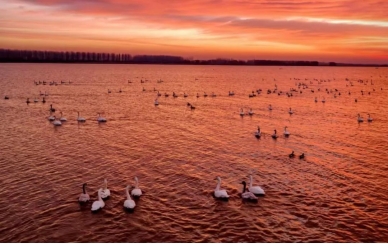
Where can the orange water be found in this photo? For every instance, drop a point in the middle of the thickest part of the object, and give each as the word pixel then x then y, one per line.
pixel 338 193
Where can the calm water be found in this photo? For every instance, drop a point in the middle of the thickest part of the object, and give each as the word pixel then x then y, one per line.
pixel 338 193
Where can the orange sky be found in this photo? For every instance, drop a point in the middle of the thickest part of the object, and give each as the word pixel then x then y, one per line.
pixel 323 30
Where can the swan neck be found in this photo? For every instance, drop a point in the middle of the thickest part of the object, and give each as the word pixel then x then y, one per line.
pixel 251 181
pixel 218 185
pixel 244 188
pixel 127 192
pixel 83 189
pixel 136 183
pixel 105 184
pixel 99 195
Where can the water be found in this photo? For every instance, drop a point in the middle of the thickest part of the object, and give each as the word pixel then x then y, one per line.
pixel 337 193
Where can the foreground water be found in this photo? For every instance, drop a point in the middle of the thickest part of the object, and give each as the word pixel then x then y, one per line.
pixel 337 193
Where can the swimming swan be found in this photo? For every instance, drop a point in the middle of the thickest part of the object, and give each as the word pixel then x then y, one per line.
pixel 80 119
pixel 286 133
pixel 257 190
pixel 129 204
pixel 105 193
pixel 84 197
pixel 247 195
pixel 101 119
pixel 219 193
pixel 99 204
pixel 136 192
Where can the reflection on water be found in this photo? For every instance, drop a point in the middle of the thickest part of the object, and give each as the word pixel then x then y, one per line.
pixel 337 193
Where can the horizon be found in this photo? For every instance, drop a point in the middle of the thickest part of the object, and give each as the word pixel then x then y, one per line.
pixel 327 31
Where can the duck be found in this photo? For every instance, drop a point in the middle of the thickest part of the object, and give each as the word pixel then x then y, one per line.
pixel 291 155
pixel 136 191
pixel 6 97
pixel 84 197
pixel 258 132
pixel 369 118
pixel 257 190
pixel 274 135
pixel 99 204
pixel 286 133
pixel 192 107
pixel 105 192
pixel 247 195
pixel 63 119
pixel 101 119
pixel 80 119
pixel 220 193
pixel 129 204
pixel 360 119
pixel 301 156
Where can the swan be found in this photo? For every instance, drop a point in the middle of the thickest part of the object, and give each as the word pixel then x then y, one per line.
pixel 270 107
pixel 274 136
pixel 156 102
pixel 101 119
pixel 360 119
pixel 250 112
pixel 129 204
pixel 290 111
pixel 84 197
pixel 291 155
pixel 99 204
pixel 242 113
pixel 51 118
pixel 184 95
pixel 28 101
pixel 301 156
pixel 62 118
pixel 247 195
pixel 323 100
pixel 258 132
pixel 36 100
pixel 43 100
pixel 316 100
pixel 257 190
pixel 286 133
pixel 51 108
pixel 136 192
pixel 369 118
pixel 218 193
pixel 57 122
pixel 105 193
pixel 80 119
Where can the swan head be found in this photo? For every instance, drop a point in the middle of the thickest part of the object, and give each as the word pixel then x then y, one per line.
pixel 218 178
pixel 136 179
pixel 244 183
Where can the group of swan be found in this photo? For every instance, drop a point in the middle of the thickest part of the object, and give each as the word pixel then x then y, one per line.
pixel 274 135
pixel 249 193
pixel 360 119
pixel 292 155
pixel 104 193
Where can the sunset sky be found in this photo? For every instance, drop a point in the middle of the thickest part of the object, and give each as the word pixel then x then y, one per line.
pixel 323 30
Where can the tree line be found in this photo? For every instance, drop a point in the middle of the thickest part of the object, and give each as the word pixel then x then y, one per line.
pixel 35 56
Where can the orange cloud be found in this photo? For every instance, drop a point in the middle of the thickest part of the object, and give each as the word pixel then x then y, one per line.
pixel 326 30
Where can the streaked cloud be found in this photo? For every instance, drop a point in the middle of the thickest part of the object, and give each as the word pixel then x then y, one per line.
pixel 314 30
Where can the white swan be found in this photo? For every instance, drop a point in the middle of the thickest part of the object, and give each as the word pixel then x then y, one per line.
pixel 219 193
pixel 156 102
pixel 63 119
pixel 57 122
pixel 316 100
pixel 136 192
pixel 258 132
pixel 360 119
pixel 101 119
pixel 290 111
pixel 257 190
pixel 247 195
pixel 80 119
pixel 323 100
pixel 129 204
pixel 99 204
pixel 250 112
pixel 286 133
pixel 369 118
pixel 270 107
pixel 84 197
pixel 51 117
pixel 105 193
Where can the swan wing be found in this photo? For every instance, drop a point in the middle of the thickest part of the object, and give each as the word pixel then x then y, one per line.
pixel 129 204
pixel 248 195
pixel 221 194
pixel 136 192
pixel 97 205
pixel 83 197
pixel 105 193
pixel 257 190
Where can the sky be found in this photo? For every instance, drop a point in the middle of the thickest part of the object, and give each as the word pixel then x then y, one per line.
pixel 323 30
